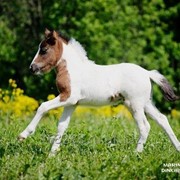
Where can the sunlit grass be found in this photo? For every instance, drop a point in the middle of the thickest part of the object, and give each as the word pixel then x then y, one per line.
pixel 92 148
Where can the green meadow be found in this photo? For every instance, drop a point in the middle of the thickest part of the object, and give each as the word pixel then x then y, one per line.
pixel 92 148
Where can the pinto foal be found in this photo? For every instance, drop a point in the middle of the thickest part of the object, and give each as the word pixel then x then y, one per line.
pixel 81 82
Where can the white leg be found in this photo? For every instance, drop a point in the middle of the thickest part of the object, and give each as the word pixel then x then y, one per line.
pixel 43 108
pixel 163 122
pixel 62 126
pixel 137 110
pixel 144 128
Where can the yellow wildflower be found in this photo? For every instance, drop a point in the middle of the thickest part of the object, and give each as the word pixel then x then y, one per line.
pixel 10 81
pixel 6 99
pixel 51 96
pixel 175 113
pixel 18 92
pixel 6 92
pixel 14 85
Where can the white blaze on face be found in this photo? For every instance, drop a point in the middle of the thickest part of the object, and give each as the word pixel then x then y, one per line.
pixel 33 61
pixel 36 55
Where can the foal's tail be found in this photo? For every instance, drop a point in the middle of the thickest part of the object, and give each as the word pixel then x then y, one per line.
pixel 164 85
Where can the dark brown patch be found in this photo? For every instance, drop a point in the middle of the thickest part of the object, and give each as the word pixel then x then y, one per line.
pixel 63 80
pixel 116 97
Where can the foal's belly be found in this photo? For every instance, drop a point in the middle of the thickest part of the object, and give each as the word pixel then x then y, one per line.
pixel 101 99
pixel 93 102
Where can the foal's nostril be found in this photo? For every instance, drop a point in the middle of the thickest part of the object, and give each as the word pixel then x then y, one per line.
pixel 30 68
pixel 33 68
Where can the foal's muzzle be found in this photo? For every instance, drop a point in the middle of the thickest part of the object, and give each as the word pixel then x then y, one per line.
pixel 34 68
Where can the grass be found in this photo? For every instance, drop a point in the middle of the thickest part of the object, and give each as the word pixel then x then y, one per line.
pixel 92 148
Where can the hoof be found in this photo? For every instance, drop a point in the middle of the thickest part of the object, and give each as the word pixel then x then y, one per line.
pixel 178 148
pixel 20 138
pixel 54 152
pixel 51 155
pixel 139 151
pixel 140 148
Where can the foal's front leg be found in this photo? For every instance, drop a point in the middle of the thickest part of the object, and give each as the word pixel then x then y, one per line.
pixel 62 126
pixel 43 108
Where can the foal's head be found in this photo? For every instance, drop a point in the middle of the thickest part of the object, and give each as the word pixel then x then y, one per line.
pixel 49 53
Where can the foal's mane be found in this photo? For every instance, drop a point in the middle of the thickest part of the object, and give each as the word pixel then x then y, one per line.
pixel 64 37
pixel 78 47
pixel 75 45
pixel 80 50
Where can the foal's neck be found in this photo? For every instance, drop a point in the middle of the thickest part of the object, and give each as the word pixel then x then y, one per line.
pixel 63 80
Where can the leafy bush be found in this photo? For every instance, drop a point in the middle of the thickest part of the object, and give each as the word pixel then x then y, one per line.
pixel 14 103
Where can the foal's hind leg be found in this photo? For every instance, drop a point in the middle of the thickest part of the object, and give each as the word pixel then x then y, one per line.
pixel 142 123
pixel 163 122
pixel 144 128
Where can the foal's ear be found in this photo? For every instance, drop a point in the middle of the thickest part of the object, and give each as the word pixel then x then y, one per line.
pixel 55 34
pixel 47 32
pixel 51 36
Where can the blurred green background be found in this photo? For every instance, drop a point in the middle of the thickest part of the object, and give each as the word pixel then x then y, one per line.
pixel 145 32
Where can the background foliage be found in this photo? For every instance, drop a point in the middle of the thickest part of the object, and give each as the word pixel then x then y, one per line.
pixel 144 32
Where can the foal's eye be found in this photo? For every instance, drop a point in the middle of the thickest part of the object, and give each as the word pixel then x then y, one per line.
pixel 43 50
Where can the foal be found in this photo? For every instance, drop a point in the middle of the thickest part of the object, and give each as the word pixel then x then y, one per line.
pixel 81 82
